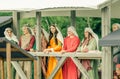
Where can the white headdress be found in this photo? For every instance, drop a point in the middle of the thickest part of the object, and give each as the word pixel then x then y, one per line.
pixel 45 34
pixel 88 29
pixel 59 35
pixel 116 24
pixel 73 30
pixel 13 37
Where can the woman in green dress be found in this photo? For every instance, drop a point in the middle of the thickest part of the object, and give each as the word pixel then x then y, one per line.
pixel 89 43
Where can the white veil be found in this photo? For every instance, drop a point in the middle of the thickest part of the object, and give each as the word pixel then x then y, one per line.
pixel 88 29
pixel 59 35
pixel 44 32
pixel 13 37
pixel 72 29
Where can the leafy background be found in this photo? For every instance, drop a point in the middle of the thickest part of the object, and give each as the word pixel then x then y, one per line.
pixel 63 22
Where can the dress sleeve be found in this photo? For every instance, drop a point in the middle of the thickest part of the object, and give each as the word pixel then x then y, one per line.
pixel 74 46
pixel 64 46
pixel 58 47
pixel 32 41
pixel 92 44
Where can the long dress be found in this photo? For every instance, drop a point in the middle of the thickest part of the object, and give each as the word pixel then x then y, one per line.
pixel 52 61
pixel 91 65
pixel 44 59
pixel 69 68
pixel 26 42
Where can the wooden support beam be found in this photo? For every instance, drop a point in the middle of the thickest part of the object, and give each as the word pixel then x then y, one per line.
pixel 8 53
pixel 59 64
pixel 38 46
pixel 107 70
pixel 12 49
pixel 73 18
pixel 16 25
pixel 80 67
pixel 19 69
pixel 2 68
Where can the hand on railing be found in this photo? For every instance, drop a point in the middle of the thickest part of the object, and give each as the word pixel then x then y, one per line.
pixel 85 50
pixel 62 51
pixel 48 50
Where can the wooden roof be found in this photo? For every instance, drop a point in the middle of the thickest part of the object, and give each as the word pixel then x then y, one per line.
pixel 16 52
pixel 112 39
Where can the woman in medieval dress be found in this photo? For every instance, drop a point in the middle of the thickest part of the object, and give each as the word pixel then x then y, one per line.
pixel 89 43
pixel 71 43
pixel 54 45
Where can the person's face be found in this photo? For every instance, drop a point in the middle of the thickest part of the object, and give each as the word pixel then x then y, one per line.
pixel 52 29
pixel 25 30
pixel 69 32
pixel 86 34
pixel 9 33
pixel 114 28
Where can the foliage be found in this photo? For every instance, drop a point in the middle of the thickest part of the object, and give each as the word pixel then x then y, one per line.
pixel 5 13
pixel 63 22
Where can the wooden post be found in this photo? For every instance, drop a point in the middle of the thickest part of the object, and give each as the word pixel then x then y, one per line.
pixel 37 64
pixel 73 18
pixel 2 68
pixel 16 25
pixel 107 63
pixel 8 58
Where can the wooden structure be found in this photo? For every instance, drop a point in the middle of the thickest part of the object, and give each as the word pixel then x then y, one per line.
pixel 5 21
pixel 74 56
pixel 12 53
pixel 105 10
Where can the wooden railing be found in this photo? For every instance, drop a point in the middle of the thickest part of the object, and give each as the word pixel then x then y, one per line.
pixel 75 56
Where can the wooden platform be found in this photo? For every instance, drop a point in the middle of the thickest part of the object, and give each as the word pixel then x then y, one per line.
pixel 9 52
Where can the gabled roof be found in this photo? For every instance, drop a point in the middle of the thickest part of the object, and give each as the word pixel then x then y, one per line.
pixel 5 20
pixel 112 39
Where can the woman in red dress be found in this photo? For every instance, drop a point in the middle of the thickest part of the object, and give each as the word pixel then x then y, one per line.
pixel 71 42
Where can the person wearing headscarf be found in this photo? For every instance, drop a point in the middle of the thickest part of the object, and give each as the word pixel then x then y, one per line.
pixel 89 43
pixel 44 41
pixel 54 45
pixel 26 42
pixel 116 49
pixel 71 43
pixel 115 27
pixel 10 35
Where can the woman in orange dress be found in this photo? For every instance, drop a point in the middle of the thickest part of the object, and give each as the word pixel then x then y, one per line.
pixel 54 45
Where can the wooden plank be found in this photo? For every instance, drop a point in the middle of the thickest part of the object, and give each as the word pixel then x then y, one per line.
pixel 59 64
pixel 36 69
pixel 107 71
pixel 8 53
pixel 12 49
pixel 16 25
pixel 19 69
pixel 2 68
pixel 80 67
pixel 22 59
pixel 73 18
pixel 38 42
pixel 94 55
